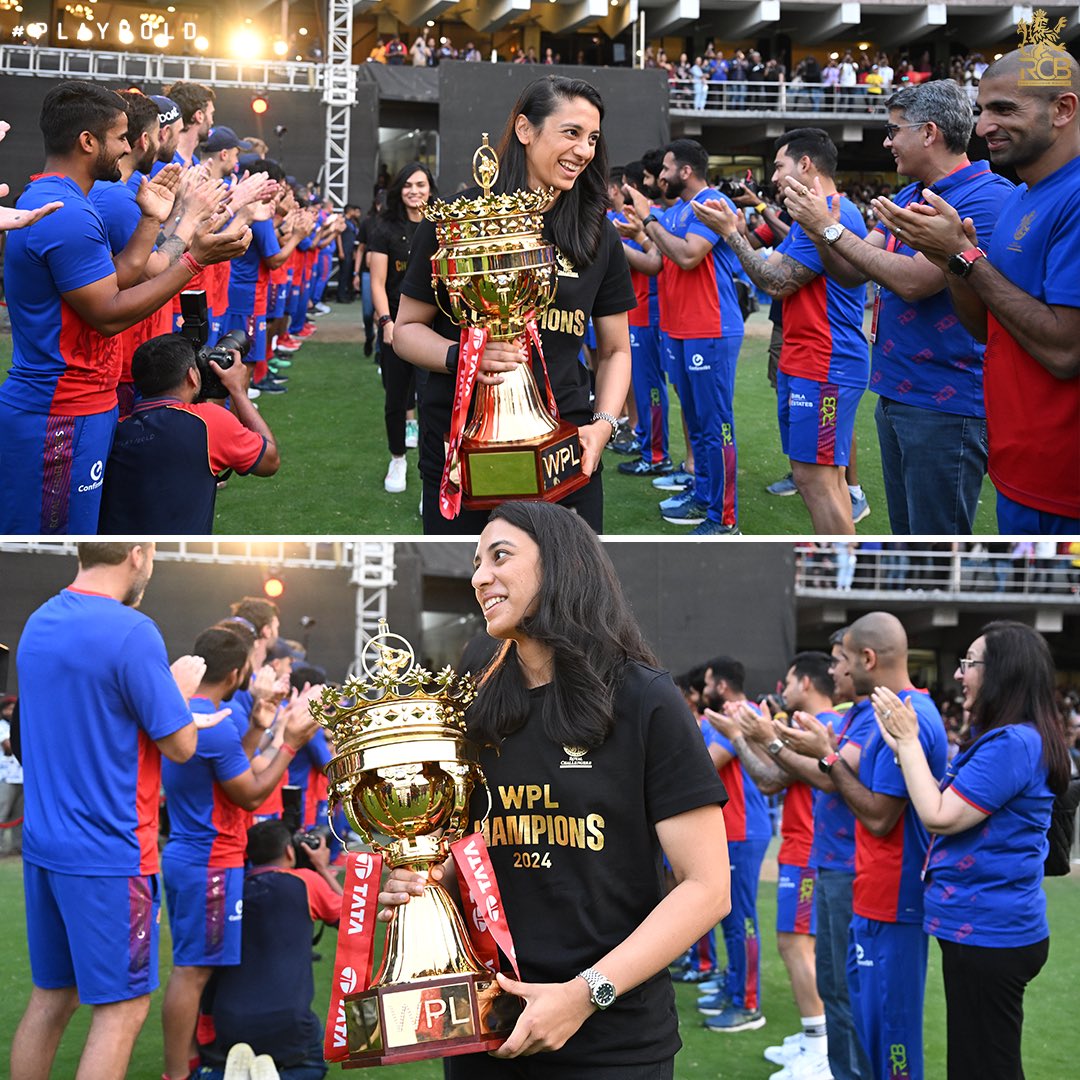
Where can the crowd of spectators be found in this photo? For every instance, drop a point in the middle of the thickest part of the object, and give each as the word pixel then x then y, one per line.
pixel 1024 566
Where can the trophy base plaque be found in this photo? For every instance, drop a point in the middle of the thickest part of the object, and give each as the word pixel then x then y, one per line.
pixel 438 1017
pixel 547 467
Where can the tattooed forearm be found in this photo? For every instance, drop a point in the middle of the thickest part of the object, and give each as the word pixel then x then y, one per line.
pixel 172 249
pixel 761 772
pixel 778 279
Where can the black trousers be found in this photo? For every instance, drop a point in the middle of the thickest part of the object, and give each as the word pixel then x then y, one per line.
pixel 534 1067
pixel 984 1000
pixel 587 501
pixel 399 382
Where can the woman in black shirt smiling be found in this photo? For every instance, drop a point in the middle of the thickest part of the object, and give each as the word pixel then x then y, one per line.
pixel 552 139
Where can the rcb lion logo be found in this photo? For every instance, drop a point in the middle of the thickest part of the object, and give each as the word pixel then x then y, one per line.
pixel 1044 61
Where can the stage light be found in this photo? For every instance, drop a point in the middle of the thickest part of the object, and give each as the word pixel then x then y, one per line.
pixel 161 41
pixel 273 586
pixel 302 31
pixel 126 36
pixel 201 43
pixel 84 33
pixel 259 105
pixel 281 47
pixel 246 44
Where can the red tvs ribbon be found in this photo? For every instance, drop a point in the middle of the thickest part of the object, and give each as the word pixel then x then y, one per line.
pixel 356 942
pixel 473 340
pixel 485 916
pixel 470 349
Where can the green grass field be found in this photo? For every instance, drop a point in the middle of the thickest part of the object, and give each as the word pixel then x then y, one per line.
pixel 330 429
pixel 1051 1037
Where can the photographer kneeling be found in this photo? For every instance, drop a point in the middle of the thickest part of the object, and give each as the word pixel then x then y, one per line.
pixel 265 1001
pixel 170 453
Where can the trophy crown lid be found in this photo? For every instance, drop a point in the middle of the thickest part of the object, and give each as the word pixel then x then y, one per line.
pixel 396 677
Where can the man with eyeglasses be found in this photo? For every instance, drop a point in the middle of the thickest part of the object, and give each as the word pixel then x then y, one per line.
pixel 1020 293
pixel 927 368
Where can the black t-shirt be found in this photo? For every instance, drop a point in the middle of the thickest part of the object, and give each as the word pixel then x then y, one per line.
pixel 573 842
pixel 602 288
pixel 393 239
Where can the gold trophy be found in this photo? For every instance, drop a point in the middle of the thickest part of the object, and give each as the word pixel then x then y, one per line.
pixel 403 773
pixel 499 275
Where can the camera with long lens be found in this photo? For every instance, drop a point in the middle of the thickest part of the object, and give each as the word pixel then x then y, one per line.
pixel 196 329
pixel 733 187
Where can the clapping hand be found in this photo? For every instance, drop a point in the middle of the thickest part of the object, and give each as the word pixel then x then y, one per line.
pixel 897 720
pixel 807 736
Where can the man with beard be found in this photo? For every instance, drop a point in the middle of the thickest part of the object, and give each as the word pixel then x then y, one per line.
pixel 98 707
pixel 887 947
pixel 211 797
pixel 1022 294
pixel 68 297
pixel 116 202
pixel 736 1004
pixel 197 109
pixel 170 124
pixel 927 368
pixel 702 330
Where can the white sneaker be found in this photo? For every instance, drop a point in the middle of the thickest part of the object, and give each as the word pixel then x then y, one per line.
pixel 322 309
pixel 253 393
pixel 238 1063
pixel 263 1068
pixel 412 434
pixel 396 475
pixel 786 1053
pixel 806 1066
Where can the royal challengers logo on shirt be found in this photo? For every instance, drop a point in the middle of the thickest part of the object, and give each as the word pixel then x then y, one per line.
pixel 1021 231
pixel 575 758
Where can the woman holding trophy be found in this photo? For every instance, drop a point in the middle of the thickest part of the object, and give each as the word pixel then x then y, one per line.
pixel 552 141
pixel 596 771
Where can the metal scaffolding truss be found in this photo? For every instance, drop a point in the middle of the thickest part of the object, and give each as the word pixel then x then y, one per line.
pixel 140 67
pixel 339 96
pixel 373 576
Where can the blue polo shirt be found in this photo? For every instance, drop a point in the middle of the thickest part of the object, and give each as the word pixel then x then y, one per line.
pixel 984 885
pixel 115 202
pixel 1031 416
pixel 888 869
pixel 823 334
pixel 922 355
pixel 60 364
pixel 834 823
pixel 702 302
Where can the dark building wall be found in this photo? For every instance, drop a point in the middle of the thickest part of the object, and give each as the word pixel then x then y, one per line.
pixel 300 150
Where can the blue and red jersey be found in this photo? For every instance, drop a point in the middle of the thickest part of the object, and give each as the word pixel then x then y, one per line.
pixel 700 303
pixel 1031 415
pixel 249 275
pixel 984 885
pixel 922 355
pixel 311 759
pixel 823 334
pixel 888 869
pixel 205 827
pixel 746 813
pixel 647 312
pixel 95 693
pixel 797 825
pixel 115 202
pixel 60 365
pixel 834 823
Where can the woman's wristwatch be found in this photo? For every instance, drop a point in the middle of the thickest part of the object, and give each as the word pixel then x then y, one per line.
pixel 383 320
pixel 601 988
pixel 612 420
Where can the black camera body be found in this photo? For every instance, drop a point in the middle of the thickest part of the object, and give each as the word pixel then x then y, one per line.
pixel 733 187
pixel 307 840
pixel 196 328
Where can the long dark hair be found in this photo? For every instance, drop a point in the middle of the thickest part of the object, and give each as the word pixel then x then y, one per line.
pixel 395 208
pixel 1018 688
pixel 582 615
pixel 577 219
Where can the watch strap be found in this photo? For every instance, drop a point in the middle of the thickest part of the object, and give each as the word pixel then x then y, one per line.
pixel 601 988
pixel 648 220
pixel 826 763
pixel 775 747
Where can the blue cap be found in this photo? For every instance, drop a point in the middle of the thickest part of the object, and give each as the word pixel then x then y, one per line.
pixel 224 138
pixel 168 110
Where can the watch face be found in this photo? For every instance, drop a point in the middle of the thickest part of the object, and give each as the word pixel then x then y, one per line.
pixel 832 233
pixel 604 994
pixel 959 265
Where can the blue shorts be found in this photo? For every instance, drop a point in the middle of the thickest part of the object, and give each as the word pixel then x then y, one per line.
pixel 255 328
pixel 53 469
pixel 1016 519
pixel 275 305
pixel 817 419
pixel 206 910
pixel 98 934
pixel 795 909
